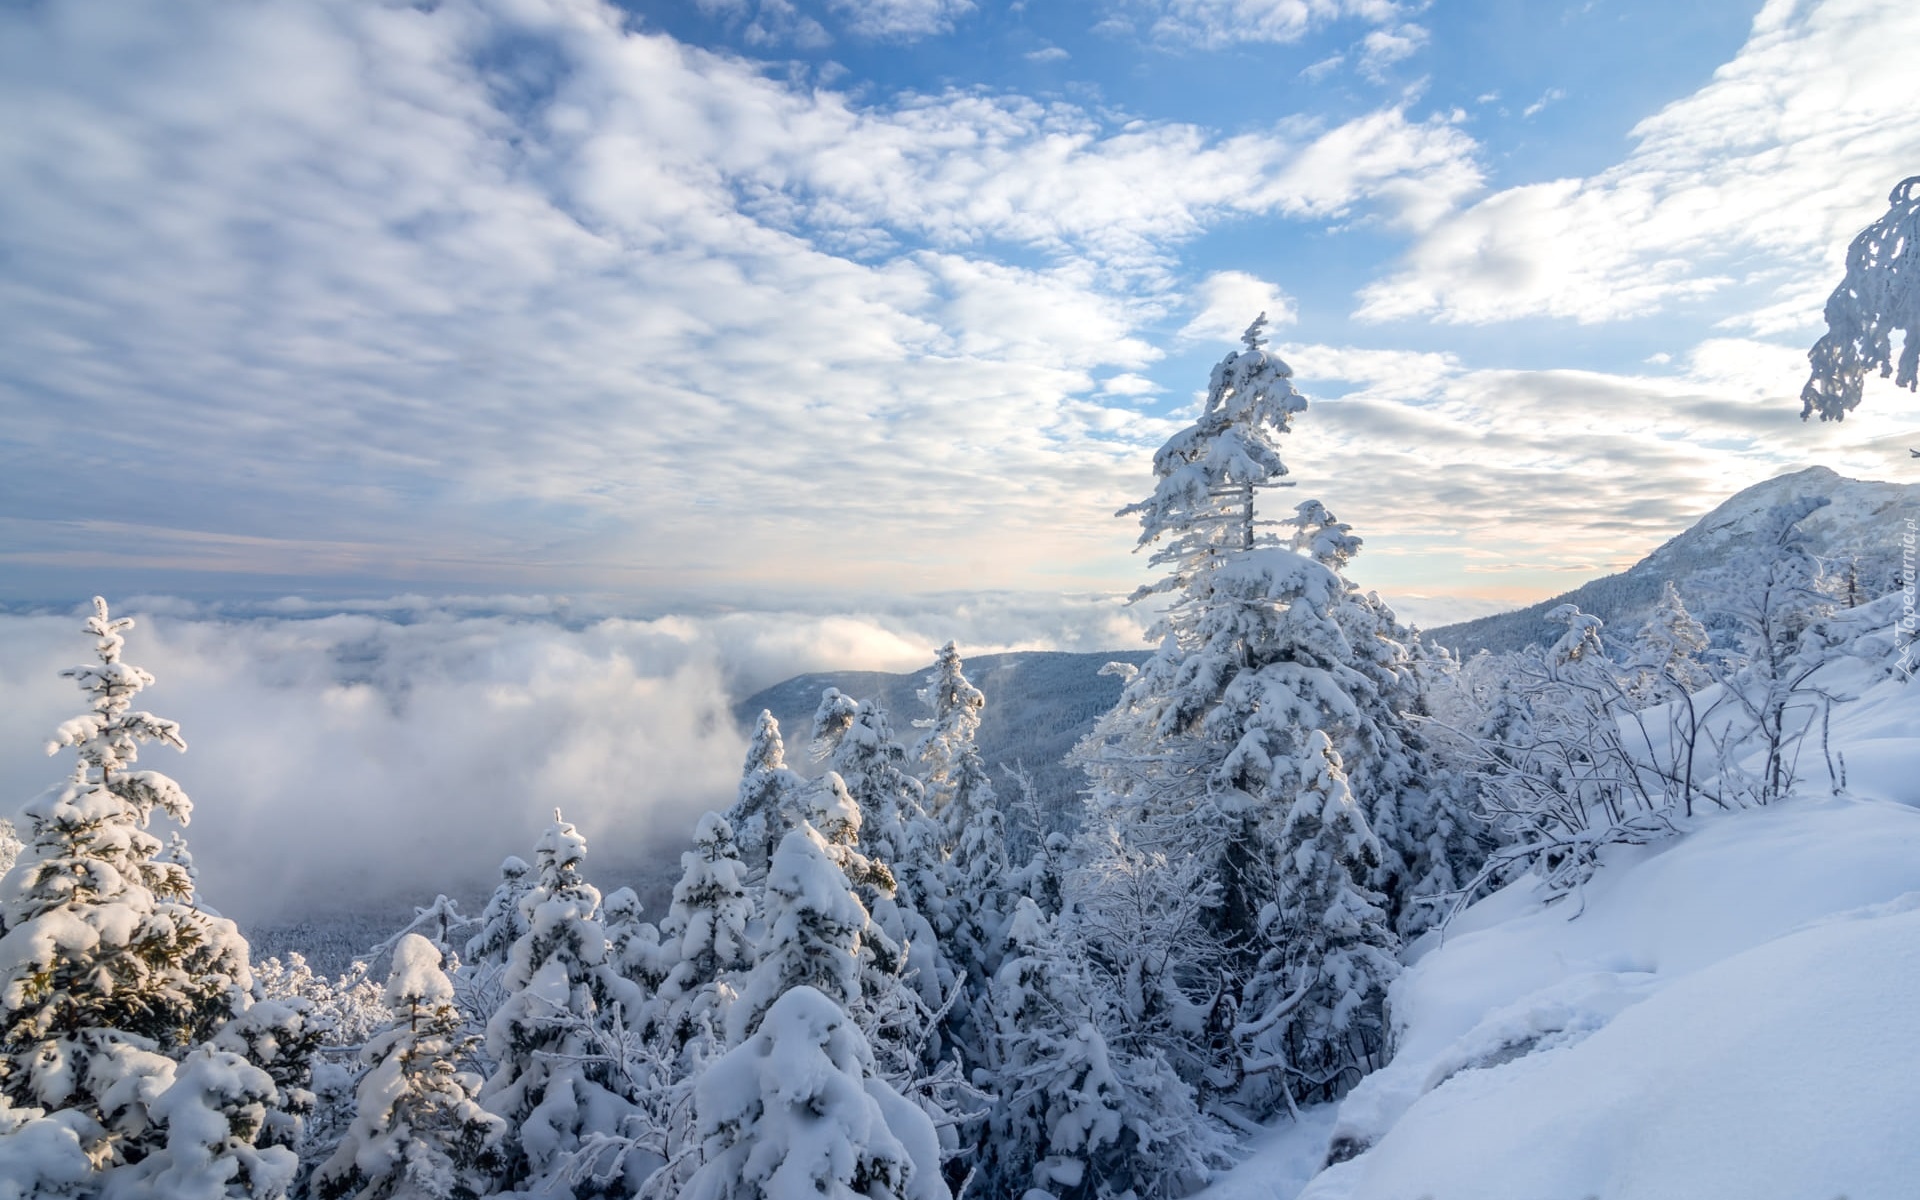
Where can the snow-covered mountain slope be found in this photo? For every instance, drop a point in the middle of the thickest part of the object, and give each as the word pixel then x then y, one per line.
pixel 1865 520
pixel 1728 1013
pixel 1039 703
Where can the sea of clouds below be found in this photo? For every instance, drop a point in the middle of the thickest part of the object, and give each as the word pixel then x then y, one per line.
pixel 342 760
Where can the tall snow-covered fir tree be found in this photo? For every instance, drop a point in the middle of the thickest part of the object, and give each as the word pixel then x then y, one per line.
pixel 856 739
pixel 763 811
pixel 1261 641
pixel 1670 652
pixel 558 1038
pixel 966 867
pixel 418 1131
pixel 502 922
pixel 1150 759
pixel 951 730
pixel 114 984
pixel 708 938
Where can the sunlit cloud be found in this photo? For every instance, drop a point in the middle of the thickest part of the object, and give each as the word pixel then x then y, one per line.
pixel 1228 300
pixel 1215 23
pixel 1518 483
pixel 1755 182
pixel 404 747
pixel 491 295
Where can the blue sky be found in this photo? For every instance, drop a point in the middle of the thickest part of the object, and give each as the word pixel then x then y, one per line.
pixel 755 301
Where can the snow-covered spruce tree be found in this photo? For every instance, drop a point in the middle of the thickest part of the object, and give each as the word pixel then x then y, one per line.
pixel 1151 758
pixel 559 1038
pixel 282 1036
pixel 1429 843
pixel 707 928
pixel 815 926
pixel 1317 1000
pixel 965 896
pixel 818 932
pixel 213 1110
pixel 418 1131
pixel 501 921
pixel 764 812
pixel 1260 640
pixel 1507 725
pixel 660 1059
pixel 856 739
pixel 295 1012
pixel 1879 296
pixel 1073 1116
pixel 796 1111
pixel 1669 655
pixel 978 869
pixel 951 730
pixel 1143 922
pixel 827 806
pixel 634 947
pixel 43 1157
pixel 113 984
pixel 1045 1063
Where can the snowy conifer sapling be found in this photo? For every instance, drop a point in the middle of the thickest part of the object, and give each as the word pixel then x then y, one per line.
pixel 418 1131
pixel 763 812
pixel 796 1113
pixel 112 983
pixel 708 928
pixel 558 1037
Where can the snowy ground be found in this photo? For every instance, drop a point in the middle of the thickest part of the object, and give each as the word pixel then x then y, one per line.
pixel 1729 1014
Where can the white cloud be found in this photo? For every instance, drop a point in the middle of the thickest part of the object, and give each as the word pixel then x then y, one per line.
pixel 1228 300
pixel 501 295
pixel 405 749
pixel 1128 384
pixel 1552 95
pixel 1216 23
pixel 1047 54
pixel 1416 171
pixel 769 23
pixel 902 20
pixel 1756 181
pixel 1382 48
pixel 1316 71
pixel 1518 483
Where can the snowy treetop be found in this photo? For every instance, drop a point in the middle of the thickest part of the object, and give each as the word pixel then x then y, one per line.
pixel 1207 471
pixel 107 738
pixel 416 976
